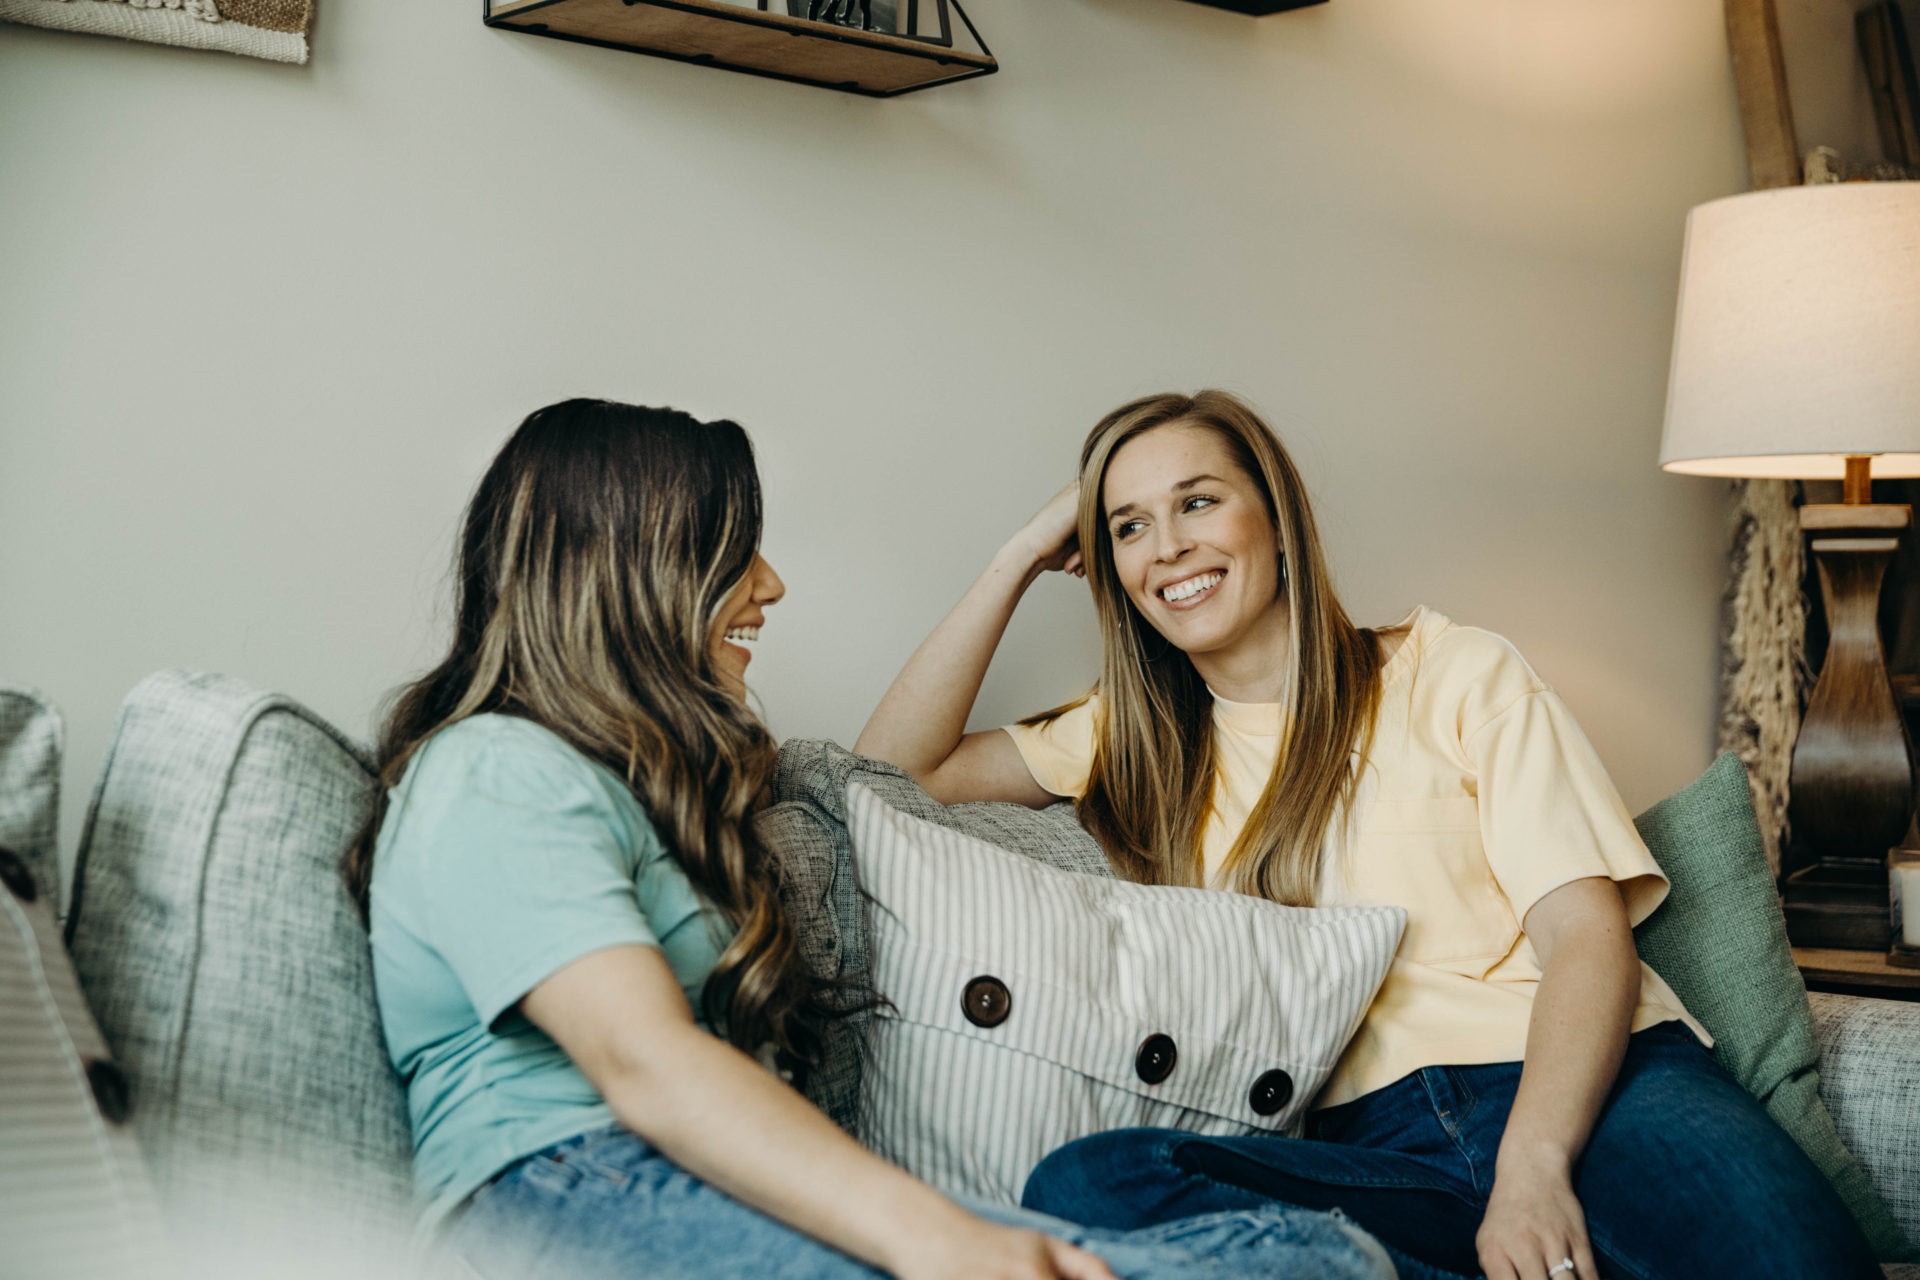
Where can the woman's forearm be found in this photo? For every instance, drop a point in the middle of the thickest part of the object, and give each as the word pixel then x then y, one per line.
pixel 1589 988
pixel 726 1120
pixel 924 713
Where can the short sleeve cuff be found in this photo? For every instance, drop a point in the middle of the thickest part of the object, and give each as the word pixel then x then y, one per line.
pixel 1641 893
pixel 1041 762
pixel 516 982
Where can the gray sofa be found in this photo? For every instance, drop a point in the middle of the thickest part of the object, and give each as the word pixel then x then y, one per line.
pixel 230 975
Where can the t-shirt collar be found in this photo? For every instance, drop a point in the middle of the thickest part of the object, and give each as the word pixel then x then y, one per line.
pixel 1262 719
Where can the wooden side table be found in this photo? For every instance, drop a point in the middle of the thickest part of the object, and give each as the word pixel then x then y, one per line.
pixel 1855 973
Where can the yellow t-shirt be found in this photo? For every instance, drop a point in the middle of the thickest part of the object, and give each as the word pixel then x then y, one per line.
pixel 1480 796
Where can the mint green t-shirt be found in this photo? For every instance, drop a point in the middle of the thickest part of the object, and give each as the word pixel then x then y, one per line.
pixel 505 856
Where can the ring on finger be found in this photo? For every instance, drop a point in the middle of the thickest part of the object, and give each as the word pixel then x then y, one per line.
pixel 1565 1264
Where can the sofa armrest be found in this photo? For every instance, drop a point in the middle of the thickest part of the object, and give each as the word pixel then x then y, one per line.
pixel 1870 1079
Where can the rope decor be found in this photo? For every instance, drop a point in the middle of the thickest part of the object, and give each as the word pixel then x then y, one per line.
pixel 272 29
pixel 1763 653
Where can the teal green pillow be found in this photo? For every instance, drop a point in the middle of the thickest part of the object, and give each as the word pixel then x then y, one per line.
pixel 1720 941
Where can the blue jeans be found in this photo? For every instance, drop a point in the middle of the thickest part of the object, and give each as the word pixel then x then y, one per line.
pixel 607 1205
pixel 1685 1175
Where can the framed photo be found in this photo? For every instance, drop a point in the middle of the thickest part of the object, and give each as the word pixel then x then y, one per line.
pixel 892 17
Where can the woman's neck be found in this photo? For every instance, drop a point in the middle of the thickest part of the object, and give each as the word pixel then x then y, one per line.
pixel 1255 668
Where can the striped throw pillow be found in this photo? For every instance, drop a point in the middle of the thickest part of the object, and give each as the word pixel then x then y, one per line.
pixel 75 1200
pixel 1028 1006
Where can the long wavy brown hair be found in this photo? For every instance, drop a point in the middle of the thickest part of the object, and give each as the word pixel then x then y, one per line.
pixel 595 554
pixel 1150 790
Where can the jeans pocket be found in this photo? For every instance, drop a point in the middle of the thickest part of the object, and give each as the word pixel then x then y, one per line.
pixel 555 1174
pixel 590 1165
pixel 1465 1091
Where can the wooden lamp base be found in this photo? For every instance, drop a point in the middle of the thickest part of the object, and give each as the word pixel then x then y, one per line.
pixel 1852 779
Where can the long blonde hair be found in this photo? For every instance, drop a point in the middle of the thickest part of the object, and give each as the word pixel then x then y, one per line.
pixel 596 552
pixel 1150 790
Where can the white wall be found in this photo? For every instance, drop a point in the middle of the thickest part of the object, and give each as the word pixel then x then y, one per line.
pixel 261 327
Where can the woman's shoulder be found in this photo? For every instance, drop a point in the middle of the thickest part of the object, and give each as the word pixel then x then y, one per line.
pixel 506 757
pixel 493 734
pixel 1071 718
pixel 493 780
pixel 1448 654
pixel 1426 632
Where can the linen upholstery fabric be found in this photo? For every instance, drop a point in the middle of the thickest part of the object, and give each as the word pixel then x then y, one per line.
pixel 74 1197
pixel 230 972
pixel 1720 941
pixel 806 830
pixel 813 875
pixel 1090 973
pixel 31 739
pixel 1870 1082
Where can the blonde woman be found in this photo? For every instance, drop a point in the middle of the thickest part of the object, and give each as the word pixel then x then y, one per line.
pixel 579 948
pixel 1525 1098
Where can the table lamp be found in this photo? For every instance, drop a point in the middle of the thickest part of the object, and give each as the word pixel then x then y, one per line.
pixel 1796 355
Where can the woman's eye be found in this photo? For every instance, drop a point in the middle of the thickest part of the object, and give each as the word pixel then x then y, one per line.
pixel 1198 501
pixel 1126 529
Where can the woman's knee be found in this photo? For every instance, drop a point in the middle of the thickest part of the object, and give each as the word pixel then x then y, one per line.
pixel 1686 1168
pixel 1104 1179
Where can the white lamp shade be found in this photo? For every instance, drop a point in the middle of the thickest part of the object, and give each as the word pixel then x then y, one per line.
pixel 1797 340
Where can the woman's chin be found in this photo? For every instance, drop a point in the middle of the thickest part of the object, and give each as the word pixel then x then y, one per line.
pixel 730 665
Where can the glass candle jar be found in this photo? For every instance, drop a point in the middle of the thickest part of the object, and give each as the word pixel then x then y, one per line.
pixel 1903 883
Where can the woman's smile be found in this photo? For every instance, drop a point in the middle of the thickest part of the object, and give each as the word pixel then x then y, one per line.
pixel 1194 545
pixel 738 638
pixel 1192 591
pixel 738 621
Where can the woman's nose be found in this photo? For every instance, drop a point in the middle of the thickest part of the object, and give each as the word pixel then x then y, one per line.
pixel 768 588
pixel 1171 542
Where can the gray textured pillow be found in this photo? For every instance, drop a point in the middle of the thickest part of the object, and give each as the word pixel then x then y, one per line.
pixel 1028 1007
pixel 815 878
pixel 31 738
pixel 1870 1081
pixel 74 1196
pixel 230 973
pixel 806 830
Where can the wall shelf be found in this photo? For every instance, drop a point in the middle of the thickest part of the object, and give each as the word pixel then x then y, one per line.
pixel 714 33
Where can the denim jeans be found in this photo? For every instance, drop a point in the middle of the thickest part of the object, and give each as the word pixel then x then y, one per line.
pixel 1684 1175
pixel 607 1205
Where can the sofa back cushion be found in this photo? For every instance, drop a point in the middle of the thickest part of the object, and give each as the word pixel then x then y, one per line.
pixel 230 972
pixel 76 1195
pixel 31 738
pixel 1869 1080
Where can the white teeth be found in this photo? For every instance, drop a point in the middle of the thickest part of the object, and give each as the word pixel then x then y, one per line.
pixel 743 633
pixel 1191 587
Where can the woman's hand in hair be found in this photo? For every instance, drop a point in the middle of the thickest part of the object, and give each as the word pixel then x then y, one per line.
pixel 1052 538
pixel 981 1250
